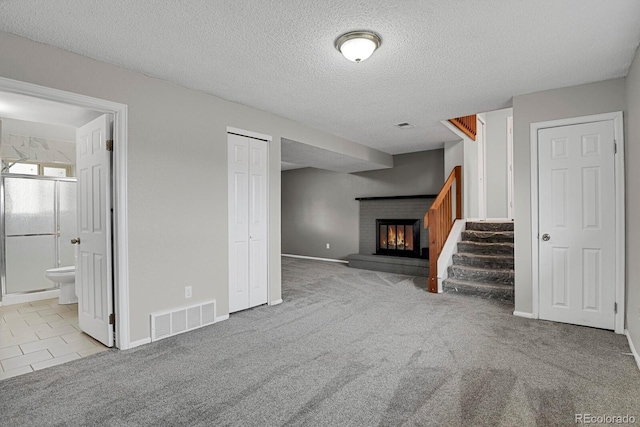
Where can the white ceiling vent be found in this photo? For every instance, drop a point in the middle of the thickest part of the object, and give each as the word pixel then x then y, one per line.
pixel 404 125
pixel 168 323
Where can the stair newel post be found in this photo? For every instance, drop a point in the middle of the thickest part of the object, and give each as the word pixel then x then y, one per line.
pixel 433 251
pixel 458 172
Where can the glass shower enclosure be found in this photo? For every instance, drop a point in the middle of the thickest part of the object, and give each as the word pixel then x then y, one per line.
pixel 37 223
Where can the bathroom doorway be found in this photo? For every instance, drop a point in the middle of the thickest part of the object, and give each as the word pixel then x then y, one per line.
pixel 29 103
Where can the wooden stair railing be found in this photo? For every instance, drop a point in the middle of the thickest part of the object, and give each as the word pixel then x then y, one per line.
pixel 466 124
pixel 439 219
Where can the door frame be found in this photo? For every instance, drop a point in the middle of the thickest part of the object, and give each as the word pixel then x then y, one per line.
pixel 268 139
pixel 510 181
pixel 617 119
pixel 481 141
pixel 120 219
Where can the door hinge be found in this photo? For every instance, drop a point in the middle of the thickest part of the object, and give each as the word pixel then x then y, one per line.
pixel 112 319
pixel 109 144
pixel 615 147
pixel 615 308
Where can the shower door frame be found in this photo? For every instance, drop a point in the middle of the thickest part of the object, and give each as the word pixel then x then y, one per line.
pixel 120 256
pixel 3 234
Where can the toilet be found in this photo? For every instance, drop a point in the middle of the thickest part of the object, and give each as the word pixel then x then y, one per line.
pixel 66 278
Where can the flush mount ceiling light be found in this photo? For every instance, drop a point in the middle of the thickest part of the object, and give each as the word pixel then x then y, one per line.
pixel 357 46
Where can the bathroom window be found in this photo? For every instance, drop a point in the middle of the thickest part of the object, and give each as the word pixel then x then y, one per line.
pixel 44 169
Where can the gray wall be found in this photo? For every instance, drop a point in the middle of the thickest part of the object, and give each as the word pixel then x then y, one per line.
pixel 177 174
pixel 575 101
pixel 632 152
pixel 319 207
pixel 496 170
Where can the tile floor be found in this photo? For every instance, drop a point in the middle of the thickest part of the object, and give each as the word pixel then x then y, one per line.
pixel 40 334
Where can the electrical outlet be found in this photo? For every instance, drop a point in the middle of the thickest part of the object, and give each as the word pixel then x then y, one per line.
pixel 187 292
pixel 328 246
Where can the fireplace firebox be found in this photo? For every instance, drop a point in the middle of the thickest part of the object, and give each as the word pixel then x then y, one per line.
pixel 398 237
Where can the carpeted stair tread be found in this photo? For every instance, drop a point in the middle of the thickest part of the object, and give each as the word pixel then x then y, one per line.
pixel 484 260
pixel 486 248
pixel 490 226
pixel 497 291
pixel 487 236
pixel 482 275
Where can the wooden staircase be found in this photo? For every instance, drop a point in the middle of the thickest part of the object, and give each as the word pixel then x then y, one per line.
pixel 484 264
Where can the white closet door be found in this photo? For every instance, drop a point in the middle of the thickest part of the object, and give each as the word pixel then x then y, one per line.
pixel 257 222
pixel 248 204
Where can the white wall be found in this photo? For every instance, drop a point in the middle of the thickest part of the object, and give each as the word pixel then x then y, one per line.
pixel 464 153
pixel 38 130
pixel 496 170
pixel 177 173
pixel 453 156
pixel 575 101
pixel 632 151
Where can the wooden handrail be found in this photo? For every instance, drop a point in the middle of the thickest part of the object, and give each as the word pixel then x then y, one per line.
pixel 439 219
pixel 466 124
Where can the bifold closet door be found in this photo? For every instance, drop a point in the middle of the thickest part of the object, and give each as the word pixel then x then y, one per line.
pixel 248 203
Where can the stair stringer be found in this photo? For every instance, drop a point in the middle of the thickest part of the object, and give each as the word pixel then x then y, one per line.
pixel 450 247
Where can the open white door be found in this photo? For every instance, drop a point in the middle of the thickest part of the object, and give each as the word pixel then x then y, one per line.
pixel 94 281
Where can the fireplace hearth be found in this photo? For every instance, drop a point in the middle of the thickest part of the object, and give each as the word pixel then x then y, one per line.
pixel 398 237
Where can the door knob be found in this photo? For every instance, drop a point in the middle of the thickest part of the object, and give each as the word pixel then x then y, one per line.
pixel 546 237
pixel 75 241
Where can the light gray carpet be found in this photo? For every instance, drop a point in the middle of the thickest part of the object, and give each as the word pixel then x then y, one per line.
pixel 347 347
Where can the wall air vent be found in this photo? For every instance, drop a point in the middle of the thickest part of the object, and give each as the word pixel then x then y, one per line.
pixel 404 125
pixel 172 322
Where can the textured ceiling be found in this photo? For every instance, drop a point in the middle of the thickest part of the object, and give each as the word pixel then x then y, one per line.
pixel 438 59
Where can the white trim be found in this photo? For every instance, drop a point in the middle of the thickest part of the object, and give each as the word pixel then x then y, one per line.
pixel 249 133
pixel 316 258
pixel 616 117
pixel 481 140
pixel 450 247
pixel 121 235
pixel 523 314
pixel 138 343
pixel 221 318
pixel 510 181
pixel 633 348
pixel 276 302
pixel 12 299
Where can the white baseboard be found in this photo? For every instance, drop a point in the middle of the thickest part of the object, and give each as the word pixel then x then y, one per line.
pixel 12 299
pixel 316 258
pixel 633 349
pixel 523 314
pixel 276 302
pixel 221 318
pixel 143 341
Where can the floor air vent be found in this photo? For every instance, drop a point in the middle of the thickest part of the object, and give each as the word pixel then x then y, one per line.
pixel 168 323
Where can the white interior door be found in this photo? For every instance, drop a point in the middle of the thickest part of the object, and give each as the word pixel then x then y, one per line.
pixel 94 282
pixel 577 244
pixel 248 203
pixel 258 222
